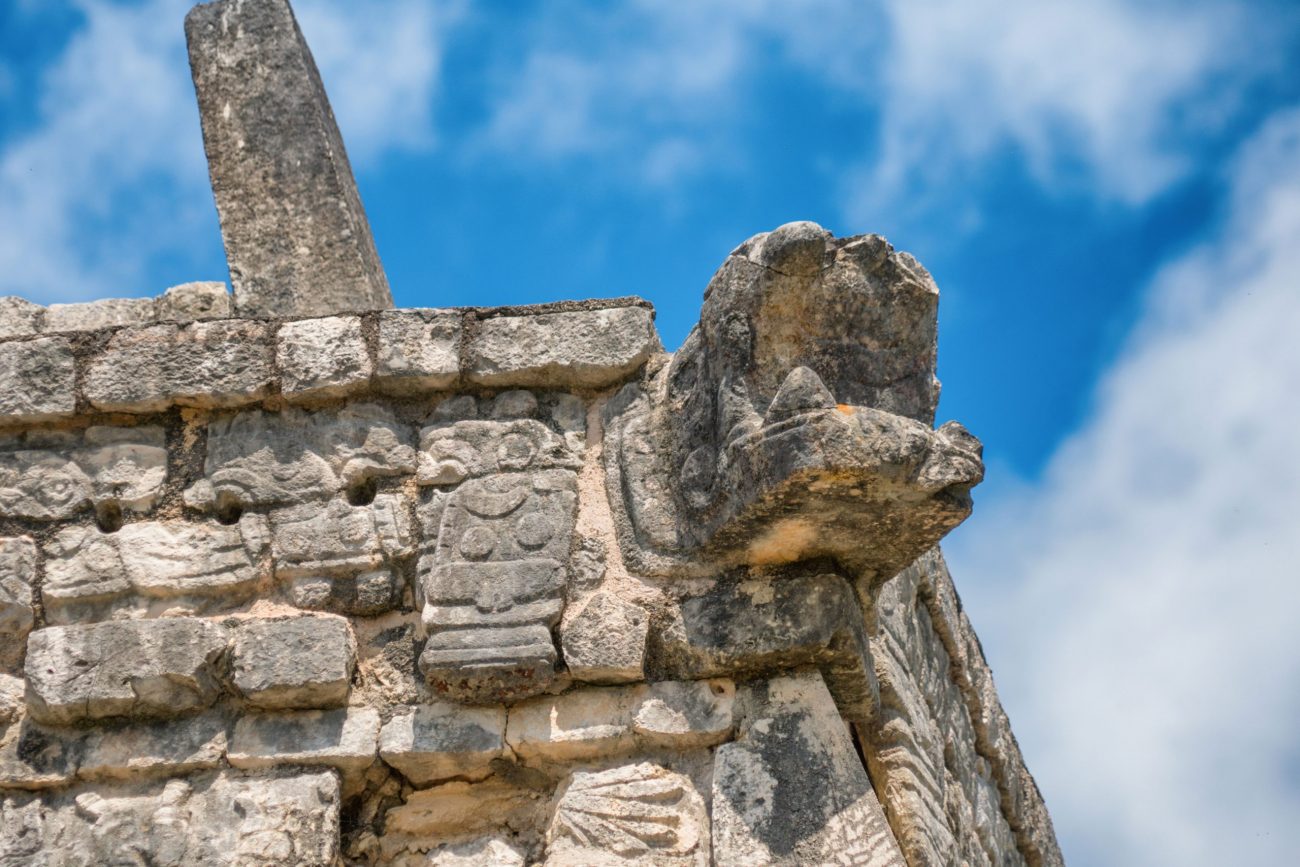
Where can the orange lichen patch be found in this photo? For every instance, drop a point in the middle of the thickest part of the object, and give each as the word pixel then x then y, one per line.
pixel 844 408
pixel 784 542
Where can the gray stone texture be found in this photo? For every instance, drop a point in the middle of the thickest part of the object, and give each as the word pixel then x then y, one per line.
pixel 344 738
pixel 322 358
pixel 17 614
pixel 296 235
pixel 37 380
pixel 191 301
pixel 592 348
pixel 433 742
pixel 604 641
pixel 791 789
pixel 419 350
pixel 19 317
pixel 222 363
pixel 137 750
pixel 224 819
pixel 297 662
pixel 94 315
pixel 137 668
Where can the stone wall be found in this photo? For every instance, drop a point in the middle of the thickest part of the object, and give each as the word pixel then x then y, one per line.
pixel 384 588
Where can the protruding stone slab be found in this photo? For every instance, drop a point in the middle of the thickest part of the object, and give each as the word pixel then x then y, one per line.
pixel 296 235
pixel 419 350
pixel 604 641
pixel 36 380
pixel 791 790
pixel 171 747
pixel 641 814
pixel 140 668
pixel 592 348
pixel 438 741
pixel 205 364
pixel 297 662
pixel 344 738
pixel 322 358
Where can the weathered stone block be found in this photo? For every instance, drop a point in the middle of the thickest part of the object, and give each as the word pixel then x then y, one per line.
pixel 141 668
pixel 134 750
pixel 19 317
pixel 296 235
pixel 151 567
pixel 589 724
pixel 791 789
pixel 300 662
pixel 592 348
pixel 452 451
pixel 344 738
pixel 126 465
pixel 17 573
pixel 36 758
pixel 641 814
pixel 438 741
pixel 220 363
pixel 104 313
pixel 605 640
pixel 321 358
pixel 419 350
pixel 769 626
pixel 37 380
pixel 261 458
pixel 190 301
pixel 459 809
pixel 223 819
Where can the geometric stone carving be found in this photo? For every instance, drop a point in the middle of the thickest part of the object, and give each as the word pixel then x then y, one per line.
pixel 791 789
pixel 772 625
pixel 60 476
pixel 639 814
pixel 260 458
pixel 341 557
pixel 604 640
pixel 493 583
pixel 17 572
pixel 794 421
pixel 587 724
pixel 151 567
pixel 441 740
pixel 451 452
pixel 140 668
pixel 222 819
pixel 295 232
pixel 299 662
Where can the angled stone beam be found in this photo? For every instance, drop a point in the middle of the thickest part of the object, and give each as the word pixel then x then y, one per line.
pixel 296 235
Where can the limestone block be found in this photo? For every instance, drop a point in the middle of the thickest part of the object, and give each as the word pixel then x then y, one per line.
pixel 460 809
pixel 19 317
pixel 61 474
pixel 190 301
pixel 587 724
pixel 641 814
pixel 152 567
pixel 36 380
pixel 136 750
pixel 493 584
pixel 11 699
pixel 419 350
pixel 593 348
pixel 604 641
pixel 103 313
pixel 220 363
pixel 140 668
pixel 265 459
pixel 762 626
pixel 322 357
pixel 343 738
pixel 791 790
pixel 17 573
pixel 225 819
pixel 441 740
pixel 299 662
pixel 340 557
pixel 451 452
pixel 295 232
pixel 37 758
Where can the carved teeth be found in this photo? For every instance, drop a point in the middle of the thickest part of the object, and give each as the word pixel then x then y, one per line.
pixel 802 391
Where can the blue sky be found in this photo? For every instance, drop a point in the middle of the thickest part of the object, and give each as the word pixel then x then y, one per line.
pixel 1107 193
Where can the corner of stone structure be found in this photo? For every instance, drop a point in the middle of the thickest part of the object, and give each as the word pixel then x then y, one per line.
pixel 292 577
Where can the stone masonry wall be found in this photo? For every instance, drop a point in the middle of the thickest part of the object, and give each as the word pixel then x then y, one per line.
pixel 361 589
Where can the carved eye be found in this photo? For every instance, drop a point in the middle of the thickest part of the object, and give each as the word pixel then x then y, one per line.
pixel 516 452
pixel 534 531
pixel 477 543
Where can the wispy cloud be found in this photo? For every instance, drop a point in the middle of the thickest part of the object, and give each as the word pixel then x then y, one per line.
pixel 1140 603
pixel 112 178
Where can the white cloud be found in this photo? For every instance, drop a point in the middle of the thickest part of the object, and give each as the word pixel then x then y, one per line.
pixel 1140 604
pixel 112 178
